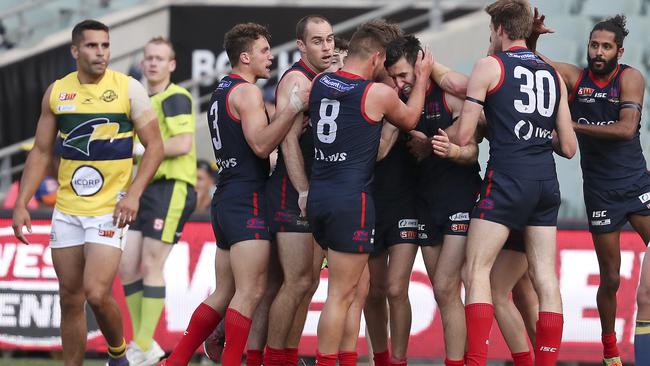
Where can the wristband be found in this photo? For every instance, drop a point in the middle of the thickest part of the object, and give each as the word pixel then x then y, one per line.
pixel 474 100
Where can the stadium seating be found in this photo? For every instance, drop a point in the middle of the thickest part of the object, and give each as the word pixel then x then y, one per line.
pixel 600 9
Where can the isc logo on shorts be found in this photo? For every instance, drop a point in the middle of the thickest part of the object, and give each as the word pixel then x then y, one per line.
pixel 410 223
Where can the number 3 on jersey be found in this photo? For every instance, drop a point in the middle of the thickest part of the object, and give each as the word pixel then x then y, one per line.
pixel 216 139
pixel 535 82
pixel 326 126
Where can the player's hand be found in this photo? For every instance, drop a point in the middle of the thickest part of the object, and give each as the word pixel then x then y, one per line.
pixel 302 203
pixel 21 218
pixel 299 98
pixel 538 24
pixel 442 147
pixel 424 64
pixel 418 145
pixel 126 211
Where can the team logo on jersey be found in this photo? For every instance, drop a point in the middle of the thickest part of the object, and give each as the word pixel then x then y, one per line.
pixel 108 96
pixel 432 110
pixel 67 96
pixel 526 133
pixel 86 181
pixel 584 91
pixel 96 129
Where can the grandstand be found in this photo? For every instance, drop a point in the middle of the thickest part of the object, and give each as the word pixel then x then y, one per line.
pixel 34 41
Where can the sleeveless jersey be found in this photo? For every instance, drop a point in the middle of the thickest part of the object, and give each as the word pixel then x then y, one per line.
pixel 346 140
pixel 606 164
pixel 306 140
pixel 95 141
pixel 434 170
pixel 175 114
pixel 394 175
pixel 521 112
pixel 240 170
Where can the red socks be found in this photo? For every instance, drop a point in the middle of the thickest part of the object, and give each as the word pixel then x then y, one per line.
pixel 478 318
pixel 397 361
pixel 326 360
pixel 610 349
pixel 273 356
pixel 291 356
pixel 203 321
pixel 347 359
pixel 549 338
pixel 253 357
pixel 522 359
pixel 449 362
pixel 237 329
pixel 382 358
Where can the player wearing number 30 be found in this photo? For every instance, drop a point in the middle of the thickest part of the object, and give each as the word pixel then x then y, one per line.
pixel 527 118
pixel 346 109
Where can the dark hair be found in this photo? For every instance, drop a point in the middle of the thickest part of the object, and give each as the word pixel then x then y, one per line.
pixel 240 38
pixel 513 15
pixel 204 165
pixel 88 24
pixel 407 47
pixel 616 25
pixel 301 26
pixel 373 36
pixel 341 43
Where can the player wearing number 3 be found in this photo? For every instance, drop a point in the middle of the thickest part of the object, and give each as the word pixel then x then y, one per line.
pixel 347 109
pixel 527 119
pixel 242 138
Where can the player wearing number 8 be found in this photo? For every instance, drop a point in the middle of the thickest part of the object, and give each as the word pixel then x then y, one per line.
pixel 347 110
pixel 524 103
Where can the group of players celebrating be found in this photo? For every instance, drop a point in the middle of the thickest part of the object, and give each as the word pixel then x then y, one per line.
pixel 378 157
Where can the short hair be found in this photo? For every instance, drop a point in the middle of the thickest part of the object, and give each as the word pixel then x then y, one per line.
pixel 301 26
pixel 616 25
pixel 514 16
pixel 407 47
pixel 341 43
pixel 373 36
pixel 165 41
pixel 88 24
pixel 240 38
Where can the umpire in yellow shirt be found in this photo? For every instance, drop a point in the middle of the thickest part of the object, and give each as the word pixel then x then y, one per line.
pixel 165 205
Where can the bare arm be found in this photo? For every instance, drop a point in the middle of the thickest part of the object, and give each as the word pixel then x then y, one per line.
pixel 383 101
pixel 632 90
pixel 389 134
pixel 449 80
pixel 564 143
pixel 178 145
pixel 485 76
pixel 38 161
pixel 263 138
pixel 291 151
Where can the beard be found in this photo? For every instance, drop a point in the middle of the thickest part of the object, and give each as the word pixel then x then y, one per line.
pixel 607 68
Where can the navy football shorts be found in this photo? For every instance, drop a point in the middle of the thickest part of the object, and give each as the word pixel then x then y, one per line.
pixel 516 202
pixel 608 210
pixel 343 223
pixel 239 218
pixel 284 213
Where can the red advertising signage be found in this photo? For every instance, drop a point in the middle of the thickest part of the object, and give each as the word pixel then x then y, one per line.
pixel 30 313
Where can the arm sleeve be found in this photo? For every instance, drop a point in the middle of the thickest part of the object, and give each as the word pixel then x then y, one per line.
pixel 179 118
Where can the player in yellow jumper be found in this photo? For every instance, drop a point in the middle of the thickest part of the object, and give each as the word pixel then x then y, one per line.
pixel 94 111
pixel 165 205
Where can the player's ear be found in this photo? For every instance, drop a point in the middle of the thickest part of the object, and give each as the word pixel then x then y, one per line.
pixel 172 65
pixel 244 58
pixel 301 46
pixel 74 51
pixel 620 52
